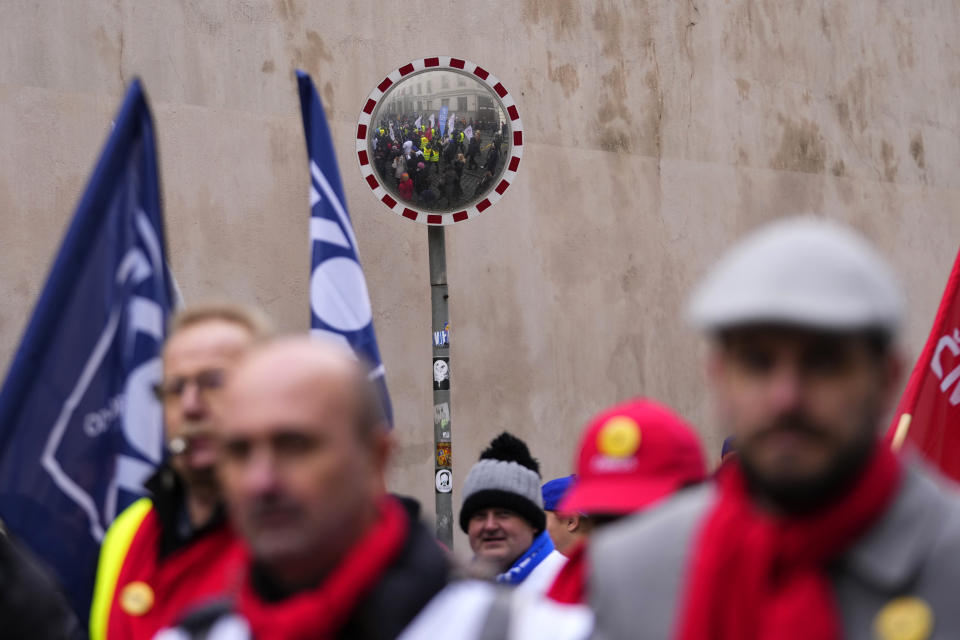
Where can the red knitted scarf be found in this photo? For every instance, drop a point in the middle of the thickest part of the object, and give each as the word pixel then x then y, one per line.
pixel 753 576
pixel 321 612
pixel 570 585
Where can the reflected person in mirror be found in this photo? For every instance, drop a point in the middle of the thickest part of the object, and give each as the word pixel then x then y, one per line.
pixel 405 187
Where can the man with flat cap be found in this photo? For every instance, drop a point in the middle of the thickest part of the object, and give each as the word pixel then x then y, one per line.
pixel 816 530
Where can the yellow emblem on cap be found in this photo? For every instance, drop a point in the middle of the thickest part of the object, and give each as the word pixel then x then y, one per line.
pixel 619 437
pixel 905 618
pixel 136 598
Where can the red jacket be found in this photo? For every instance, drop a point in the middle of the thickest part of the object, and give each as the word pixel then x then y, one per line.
pixel 570 585
pixel 142 586
pixel 406 189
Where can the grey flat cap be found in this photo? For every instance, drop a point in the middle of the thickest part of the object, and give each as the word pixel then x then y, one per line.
pixel 803 272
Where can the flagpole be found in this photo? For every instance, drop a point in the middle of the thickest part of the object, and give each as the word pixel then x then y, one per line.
pixel 442 459
pixel 903 426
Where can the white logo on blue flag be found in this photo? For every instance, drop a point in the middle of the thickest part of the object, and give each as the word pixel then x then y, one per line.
pixel 79 427
pixel 133 408
pixel 339 301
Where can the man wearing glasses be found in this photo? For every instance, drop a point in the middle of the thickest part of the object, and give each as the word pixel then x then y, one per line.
pixel 173 549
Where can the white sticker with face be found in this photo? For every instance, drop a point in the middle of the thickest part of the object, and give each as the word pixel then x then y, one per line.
pixel 441 371
pixel 444 481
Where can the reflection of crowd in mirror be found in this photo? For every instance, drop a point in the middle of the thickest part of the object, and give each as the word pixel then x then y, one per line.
pixel 438 166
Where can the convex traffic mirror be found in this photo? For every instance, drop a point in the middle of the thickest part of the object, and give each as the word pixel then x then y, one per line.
pixel 439 140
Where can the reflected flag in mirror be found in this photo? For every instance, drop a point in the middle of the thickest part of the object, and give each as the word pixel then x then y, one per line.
pixel 339 302
pixel 443 119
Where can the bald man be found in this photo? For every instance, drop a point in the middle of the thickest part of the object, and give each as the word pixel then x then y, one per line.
pixel 303 448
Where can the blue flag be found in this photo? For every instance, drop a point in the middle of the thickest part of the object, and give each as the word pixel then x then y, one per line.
pixel 339 302
pixel 80 429
pixel 443 119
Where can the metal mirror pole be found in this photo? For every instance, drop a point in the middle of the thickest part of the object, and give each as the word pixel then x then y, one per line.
pixel 443 472
pixel 439 157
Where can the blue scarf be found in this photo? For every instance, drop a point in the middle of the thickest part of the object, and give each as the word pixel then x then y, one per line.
pixel 531 558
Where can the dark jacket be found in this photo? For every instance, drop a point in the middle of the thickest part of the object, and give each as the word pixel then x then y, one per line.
pixel 419 572
pixel 421 181
pixel 450 153
pixel 31 605
pixel 450 184
pixel 493 157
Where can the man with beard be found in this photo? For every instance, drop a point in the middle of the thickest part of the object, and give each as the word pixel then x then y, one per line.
pixel 816 530
pixel 173 549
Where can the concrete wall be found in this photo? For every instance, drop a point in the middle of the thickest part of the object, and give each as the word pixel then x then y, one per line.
pixel 656 132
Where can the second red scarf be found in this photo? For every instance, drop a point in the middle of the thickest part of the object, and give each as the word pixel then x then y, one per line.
pixel 753 576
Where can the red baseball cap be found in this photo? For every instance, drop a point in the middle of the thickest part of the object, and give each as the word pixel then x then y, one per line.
pixel 632 455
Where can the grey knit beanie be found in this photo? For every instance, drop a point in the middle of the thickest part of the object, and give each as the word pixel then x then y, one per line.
pixel 507 477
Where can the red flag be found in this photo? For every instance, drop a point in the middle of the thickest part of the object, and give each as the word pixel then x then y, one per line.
pixel 929 411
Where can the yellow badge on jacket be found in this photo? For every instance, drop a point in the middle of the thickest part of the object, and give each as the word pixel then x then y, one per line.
pixel 136 598
pixel 905 618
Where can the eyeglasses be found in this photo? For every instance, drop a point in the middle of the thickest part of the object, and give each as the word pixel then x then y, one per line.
pixel 206 381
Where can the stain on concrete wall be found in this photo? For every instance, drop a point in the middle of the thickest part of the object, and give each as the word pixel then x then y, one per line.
pixel 916 150
pixel 565 75
pixel 801 147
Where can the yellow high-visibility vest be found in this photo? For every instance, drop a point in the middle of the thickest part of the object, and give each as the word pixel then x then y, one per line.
pixel 113 551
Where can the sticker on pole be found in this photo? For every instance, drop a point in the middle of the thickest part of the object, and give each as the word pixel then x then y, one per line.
pixel 444 454
pixel 441 374
pixel 441 337
pixel 441 415
pixel 444 481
